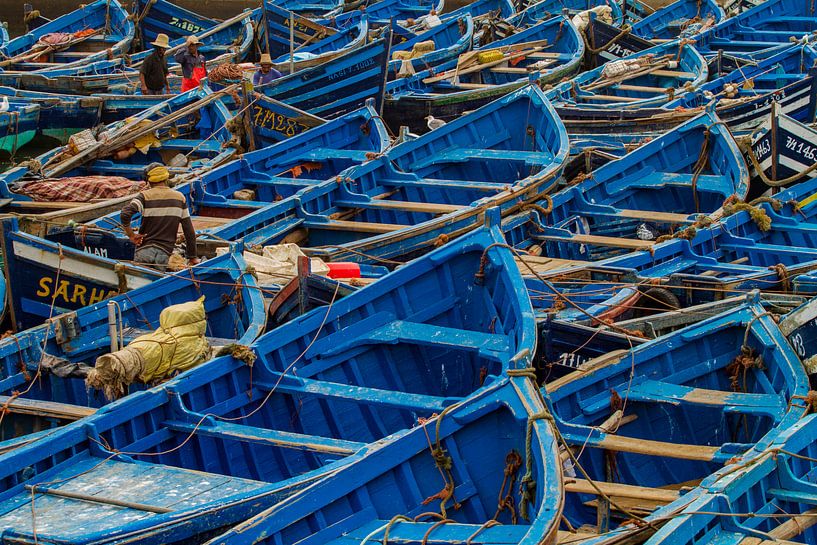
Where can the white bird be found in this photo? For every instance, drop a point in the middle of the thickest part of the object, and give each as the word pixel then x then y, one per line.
pixel 434 123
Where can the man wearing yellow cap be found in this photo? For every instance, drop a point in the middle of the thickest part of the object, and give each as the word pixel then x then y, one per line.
pixel 153 72
pixel 163 210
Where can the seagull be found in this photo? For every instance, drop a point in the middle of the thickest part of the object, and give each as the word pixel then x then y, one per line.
pixel 434 123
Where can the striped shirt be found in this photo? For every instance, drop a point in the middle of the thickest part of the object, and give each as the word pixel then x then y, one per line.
pixel 162 210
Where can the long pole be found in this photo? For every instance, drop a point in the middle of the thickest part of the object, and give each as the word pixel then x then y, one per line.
pixel 266 25
pixel 291 43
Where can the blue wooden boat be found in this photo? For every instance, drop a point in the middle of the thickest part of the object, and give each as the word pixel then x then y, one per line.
pixel 60 115
pixel 274 121
pixel 494 433
pixel 422 192
pixel 313 44
pixel 338 86
pixel 650 78
pixel 783 150
pixel 84 79
pixel 546 52
pixel 192 125
pixel 685 18
pixel 776 490
pixel 451 38
pixel 97 31
pixel 269 174
pixel 480 10
pixel 744 97
pixel 535 12
pixel 656 188
pixel 651 423
pixel 760 29
pixel 231 38
pixel 226 440
pixel 19 121
pixel 48 362
pixel 382 12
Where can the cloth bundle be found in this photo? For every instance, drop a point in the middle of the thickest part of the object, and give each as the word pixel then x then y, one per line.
pixel 179 344
pixel 79 188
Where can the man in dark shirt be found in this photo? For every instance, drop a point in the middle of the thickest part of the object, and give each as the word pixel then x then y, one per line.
pixel 162 209
pixel 267 73
pixel 153 72
pixel 192 62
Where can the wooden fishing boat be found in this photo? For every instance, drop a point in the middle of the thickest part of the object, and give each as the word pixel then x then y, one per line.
pixel 381 13
pixel 84 79
pixel 97 31
pixel 422 192
pixel 628 203
pixel 546 52
pixel 450 39
pixel 741 98
pixel 646 79
pixel 493 434
pixel 535 12
pixel 771 499
pixel 60 115
pixel 260 178
pixel 338 86
pixel 19 121
pixel 685 18
pixel 745 96
pixel 309 43
pixel 483 11
pixel 649 424
pixel 45 366
pixel 231 38
pixel 760 29
pixel 187 132
pixel 260 448
pixel 783 150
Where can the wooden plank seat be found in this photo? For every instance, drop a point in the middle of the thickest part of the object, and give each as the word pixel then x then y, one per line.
pixel 354 226
pixel 252 434
pixel 408 206
pixel 49 409
pixel 446 184
pixel 659 217
pixel 582 486
pixel 598 240
pixel 358 394
pixel 461 155
pixel 649 447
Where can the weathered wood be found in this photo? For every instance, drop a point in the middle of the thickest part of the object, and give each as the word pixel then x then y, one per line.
pixel 582 486
pixel 613 98
pixel 409 206
pixel 591 365
pixel 650 215
pixel 644 88
pixel 98 499
pixel 597 240
pixel 50 409
pixel 358 226
pixel 657 448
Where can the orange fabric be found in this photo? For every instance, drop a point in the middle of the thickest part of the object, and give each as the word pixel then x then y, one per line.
pixel 199 73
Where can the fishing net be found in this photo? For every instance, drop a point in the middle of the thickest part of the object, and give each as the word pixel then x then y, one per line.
pixel 79 188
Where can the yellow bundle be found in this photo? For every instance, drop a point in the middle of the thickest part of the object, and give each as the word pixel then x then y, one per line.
pixel 485 57
pixel 422 48
pixel 179 344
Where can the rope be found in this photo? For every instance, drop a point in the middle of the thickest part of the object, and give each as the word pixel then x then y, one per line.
pixel 777 183
pixel 527 485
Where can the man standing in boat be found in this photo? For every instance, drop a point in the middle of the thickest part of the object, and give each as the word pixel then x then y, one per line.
pixel 153 72
pixel 266 73
pixel 194 66
pixel 163 210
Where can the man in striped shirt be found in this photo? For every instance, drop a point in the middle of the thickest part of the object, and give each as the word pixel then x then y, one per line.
pixel 162 209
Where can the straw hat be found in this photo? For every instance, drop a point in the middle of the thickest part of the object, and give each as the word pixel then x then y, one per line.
pixel 161 41
pixel 265 59
pixel 193 40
